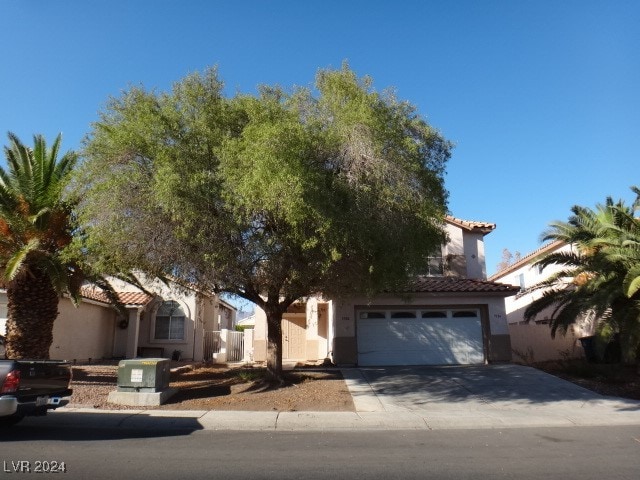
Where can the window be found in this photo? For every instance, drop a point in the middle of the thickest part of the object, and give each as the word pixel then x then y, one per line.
pixel 435 266
pixel 170 320
pixel 465 314
pixel 434 314
pixel 372 315
pixel 403 315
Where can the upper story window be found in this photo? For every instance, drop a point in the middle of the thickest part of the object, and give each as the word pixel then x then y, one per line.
pixel 435 265
pixel 170 321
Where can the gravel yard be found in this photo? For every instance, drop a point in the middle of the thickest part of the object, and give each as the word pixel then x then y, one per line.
pixel 218 387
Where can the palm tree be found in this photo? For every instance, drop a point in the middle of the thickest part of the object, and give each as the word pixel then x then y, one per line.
pixel 35 227
pixel 601 276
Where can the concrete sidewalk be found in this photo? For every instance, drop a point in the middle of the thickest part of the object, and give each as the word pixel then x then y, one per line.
pixel 601 415
pixel 421 398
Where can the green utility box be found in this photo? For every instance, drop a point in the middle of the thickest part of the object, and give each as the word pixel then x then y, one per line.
pixel 143 375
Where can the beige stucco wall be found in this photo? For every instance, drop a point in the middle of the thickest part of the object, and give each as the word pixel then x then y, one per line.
pixel 474 253
pixel 185 345
pixel 260 336
pixel 190 346
pixel 533 343
pixel 210 314
pixel 317 314
pixel 82 333
pixel 465 252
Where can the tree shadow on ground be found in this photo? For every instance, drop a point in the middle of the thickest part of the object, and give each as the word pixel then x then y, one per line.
pixel 497 385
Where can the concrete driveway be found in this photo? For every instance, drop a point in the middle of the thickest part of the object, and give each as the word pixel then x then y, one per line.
pixel 480 391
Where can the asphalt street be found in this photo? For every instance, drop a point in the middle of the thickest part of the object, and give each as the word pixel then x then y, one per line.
pixel 581 453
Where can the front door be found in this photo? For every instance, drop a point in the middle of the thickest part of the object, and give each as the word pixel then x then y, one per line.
pixel 294 338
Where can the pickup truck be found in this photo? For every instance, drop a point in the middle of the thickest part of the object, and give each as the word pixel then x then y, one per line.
pixel 32 387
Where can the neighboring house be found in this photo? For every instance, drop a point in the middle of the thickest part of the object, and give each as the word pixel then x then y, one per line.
pixel 165 320
pixel 453 315
pixel 532 341
pixel 247 322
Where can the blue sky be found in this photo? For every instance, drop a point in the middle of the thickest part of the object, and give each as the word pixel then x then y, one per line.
pixel 540 97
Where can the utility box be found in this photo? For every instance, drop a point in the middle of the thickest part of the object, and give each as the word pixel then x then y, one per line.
pixel 143 375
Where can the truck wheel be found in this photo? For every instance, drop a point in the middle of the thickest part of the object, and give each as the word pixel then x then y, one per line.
pixel 10 420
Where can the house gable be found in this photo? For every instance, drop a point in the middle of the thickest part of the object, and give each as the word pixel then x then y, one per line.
pixel 463 255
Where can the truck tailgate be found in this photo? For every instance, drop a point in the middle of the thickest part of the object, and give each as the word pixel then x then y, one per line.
pixel 43 377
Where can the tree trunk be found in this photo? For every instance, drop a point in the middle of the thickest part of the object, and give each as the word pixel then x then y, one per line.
pixel 32 304
pixel 274 345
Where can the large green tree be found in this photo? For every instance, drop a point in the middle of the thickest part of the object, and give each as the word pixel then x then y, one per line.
pixel 270 197
pixel 35 227
pixel 600 276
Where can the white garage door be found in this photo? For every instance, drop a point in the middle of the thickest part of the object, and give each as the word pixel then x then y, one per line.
pixel 419 337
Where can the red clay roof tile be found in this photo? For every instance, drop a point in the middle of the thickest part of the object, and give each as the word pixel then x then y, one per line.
pixel 484 227
pixel 126 298
pixel 458 285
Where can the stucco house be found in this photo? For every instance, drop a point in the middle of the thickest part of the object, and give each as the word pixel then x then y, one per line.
pixel 532 341
pixel 451 315
pixel 163 320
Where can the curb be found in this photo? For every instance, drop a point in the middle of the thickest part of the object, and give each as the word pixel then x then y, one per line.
pixel 320 421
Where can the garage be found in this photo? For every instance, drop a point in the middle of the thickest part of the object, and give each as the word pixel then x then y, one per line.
pixel 425 336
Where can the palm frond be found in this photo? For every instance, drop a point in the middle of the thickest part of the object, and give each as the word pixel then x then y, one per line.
pixel 16 262
pixel 602 276
pixel 631 284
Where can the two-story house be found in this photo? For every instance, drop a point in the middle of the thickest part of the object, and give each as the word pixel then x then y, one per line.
pixel 451 316
pixel 532 341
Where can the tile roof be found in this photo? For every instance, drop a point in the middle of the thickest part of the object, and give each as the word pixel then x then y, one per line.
pixel 134 299
pixel 484 227
pixel 458 285
pixel 126 298
pixel 529 258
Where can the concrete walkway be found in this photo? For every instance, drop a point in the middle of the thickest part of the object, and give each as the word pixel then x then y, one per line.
pixel 418 398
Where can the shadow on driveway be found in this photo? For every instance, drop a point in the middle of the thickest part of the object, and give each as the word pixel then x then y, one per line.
pixel 481 386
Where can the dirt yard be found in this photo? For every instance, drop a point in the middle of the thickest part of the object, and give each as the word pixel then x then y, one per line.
pixel 613 380
pixel 220 388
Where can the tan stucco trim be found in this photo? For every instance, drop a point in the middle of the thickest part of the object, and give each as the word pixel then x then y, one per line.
pixel 500 349
pixel 259 350
pixel 345 351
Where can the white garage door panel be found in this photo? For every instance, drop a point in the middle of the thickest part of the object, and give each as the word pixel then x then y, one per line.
pixel 442 341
